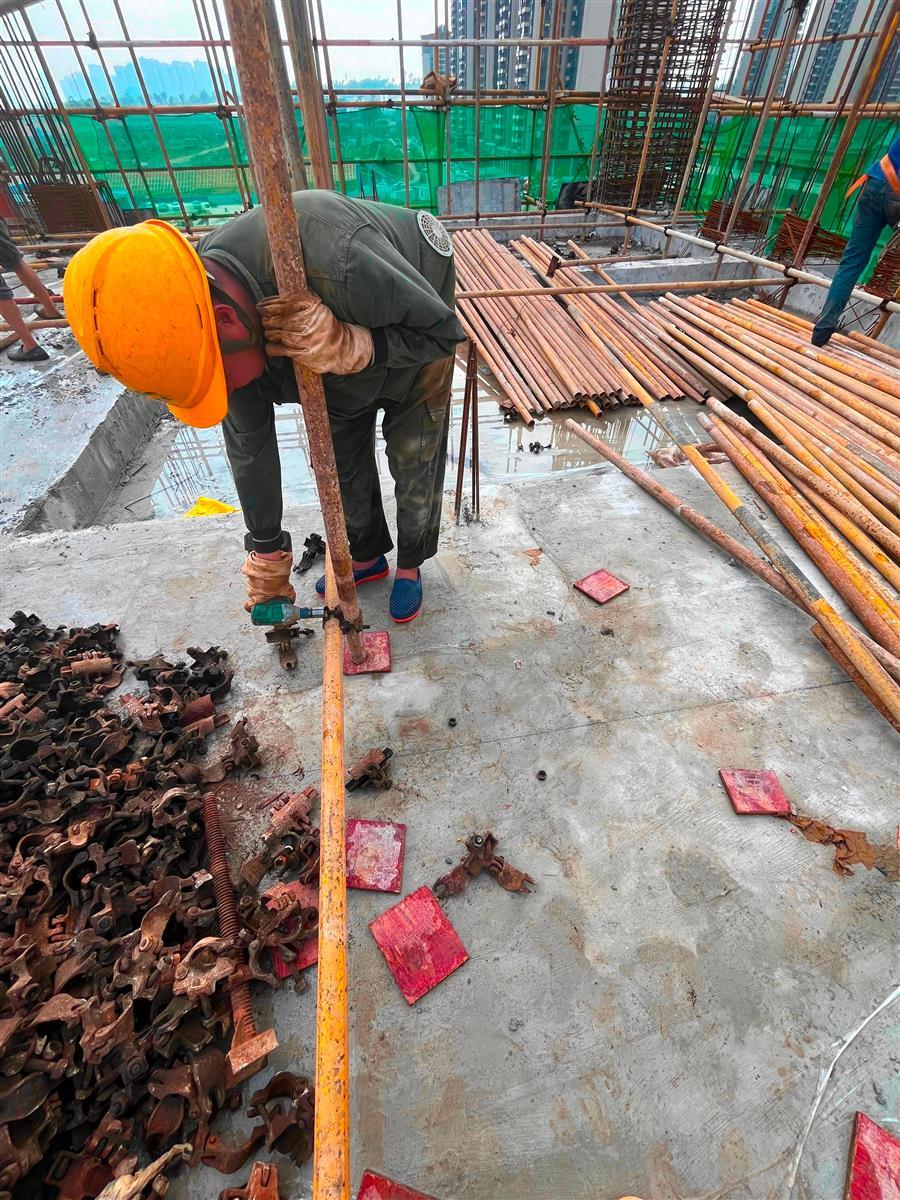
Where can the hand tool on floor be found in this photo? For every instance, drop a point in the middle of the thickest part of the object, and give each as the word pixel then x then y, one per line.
pixel 281 611
pixel 283 616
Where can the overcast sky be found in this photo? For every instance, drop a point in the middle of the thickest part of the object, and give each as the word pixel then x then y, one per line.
pixel 172 19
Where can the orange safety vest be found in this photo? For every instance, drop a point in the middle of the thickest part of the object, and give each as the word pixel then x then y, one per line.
pixel 890 175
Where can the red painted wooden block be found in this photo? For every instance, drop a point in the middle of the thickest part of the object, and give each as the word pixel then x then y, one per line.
pixel 375 855
pixel 309 950
pixel 379 1187
pixel 378 649
pixel 419 943
pixel 307 956
pixel 601 586
pixel 874 1163
pixel 755 792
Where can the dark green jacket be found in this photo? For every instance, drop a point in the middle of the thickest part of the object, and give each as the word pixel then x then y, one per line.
pixel 372 266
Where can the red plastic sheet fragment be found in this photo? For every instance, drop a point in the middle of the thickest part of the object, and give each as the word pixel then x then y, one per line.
pixel 601 586
pixel 375 855
pixel 379 1187
pixel 874 1162
pixel 378 652
pixel 755 792
pixel 420 945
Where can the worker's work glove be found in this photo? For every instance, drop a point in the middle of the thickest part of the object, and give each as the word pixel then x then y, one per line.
pixel 268 578
pixel 300 326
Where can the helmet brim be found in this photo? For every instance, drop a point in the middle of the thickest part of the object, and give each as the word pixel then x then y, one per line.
pixel 208 411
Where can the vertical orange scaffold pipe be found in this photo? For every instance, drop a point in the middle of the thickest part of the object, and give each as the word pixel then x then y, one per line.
pixel 331 1161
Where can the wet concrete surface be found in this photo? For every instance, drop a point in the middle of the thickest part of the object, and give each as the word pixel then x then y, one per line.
pixel 179 464
pixel 66 435
pixel 653 1019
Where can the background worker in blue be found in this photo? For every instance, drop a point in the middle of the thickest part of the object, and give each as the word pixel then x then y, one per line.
pixel 878 207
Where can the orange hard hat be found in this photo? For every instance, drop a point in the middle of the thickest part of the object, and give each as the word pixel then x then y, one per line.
pixel 139 304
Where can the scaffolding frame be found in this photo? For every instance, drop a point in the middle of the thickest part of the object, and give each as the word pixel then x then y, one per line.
pixel 669 100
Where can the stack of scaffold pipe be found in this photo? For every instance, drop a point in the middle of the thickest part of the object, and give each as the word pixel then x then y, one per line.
pixel 629 334
pixel 548 353
pixel 830 471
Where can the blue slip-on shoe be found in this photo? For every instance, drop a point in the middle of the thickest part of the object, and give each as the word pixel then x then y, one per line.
pixel 406 599
pixel 378 570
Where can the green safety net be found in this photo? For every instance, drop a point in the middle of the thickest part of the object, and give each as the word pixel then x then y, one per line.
pixel 203 149
pixel 795 154
pixel 511 140
pixel 203 161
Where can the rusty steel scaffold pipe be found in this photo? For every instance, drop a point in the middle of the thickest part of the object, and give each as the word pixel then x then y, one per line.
pixel 844 634
pixel 759 566
pixel 246 20
pixel 309 91
pixel 853 584
pixel 675 504
pixel 757 260
pixel 834 495
pixel 588 289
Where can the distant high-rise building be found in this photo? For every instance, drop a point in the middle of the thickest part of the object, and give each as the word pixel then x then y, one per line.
pixel 767 24
pixel 435 58
pixel 825 58
pixel 521 67
pixel 825 76
pixel 167 82
pixel 813 74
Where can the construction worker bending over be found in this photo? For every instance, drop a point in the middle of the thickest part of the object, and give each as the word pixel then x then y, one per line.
pixel 878 207
pixel 206 332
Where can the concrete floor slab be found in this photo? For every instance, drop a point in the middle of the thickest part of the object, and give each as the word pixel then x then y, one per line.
pixel 652 1019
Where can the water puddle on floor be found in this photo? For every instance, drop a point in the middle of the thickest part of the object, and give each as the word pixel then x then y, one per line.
pixel 180 463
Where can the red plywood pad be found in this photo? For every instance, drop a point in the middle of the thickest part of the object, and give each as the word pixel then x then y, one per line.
pixel 601 586
pixel 755 792
pixel 874 1163
pixel 379 1187
pixel 420 945
pixel 378 655
pixel 375 855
